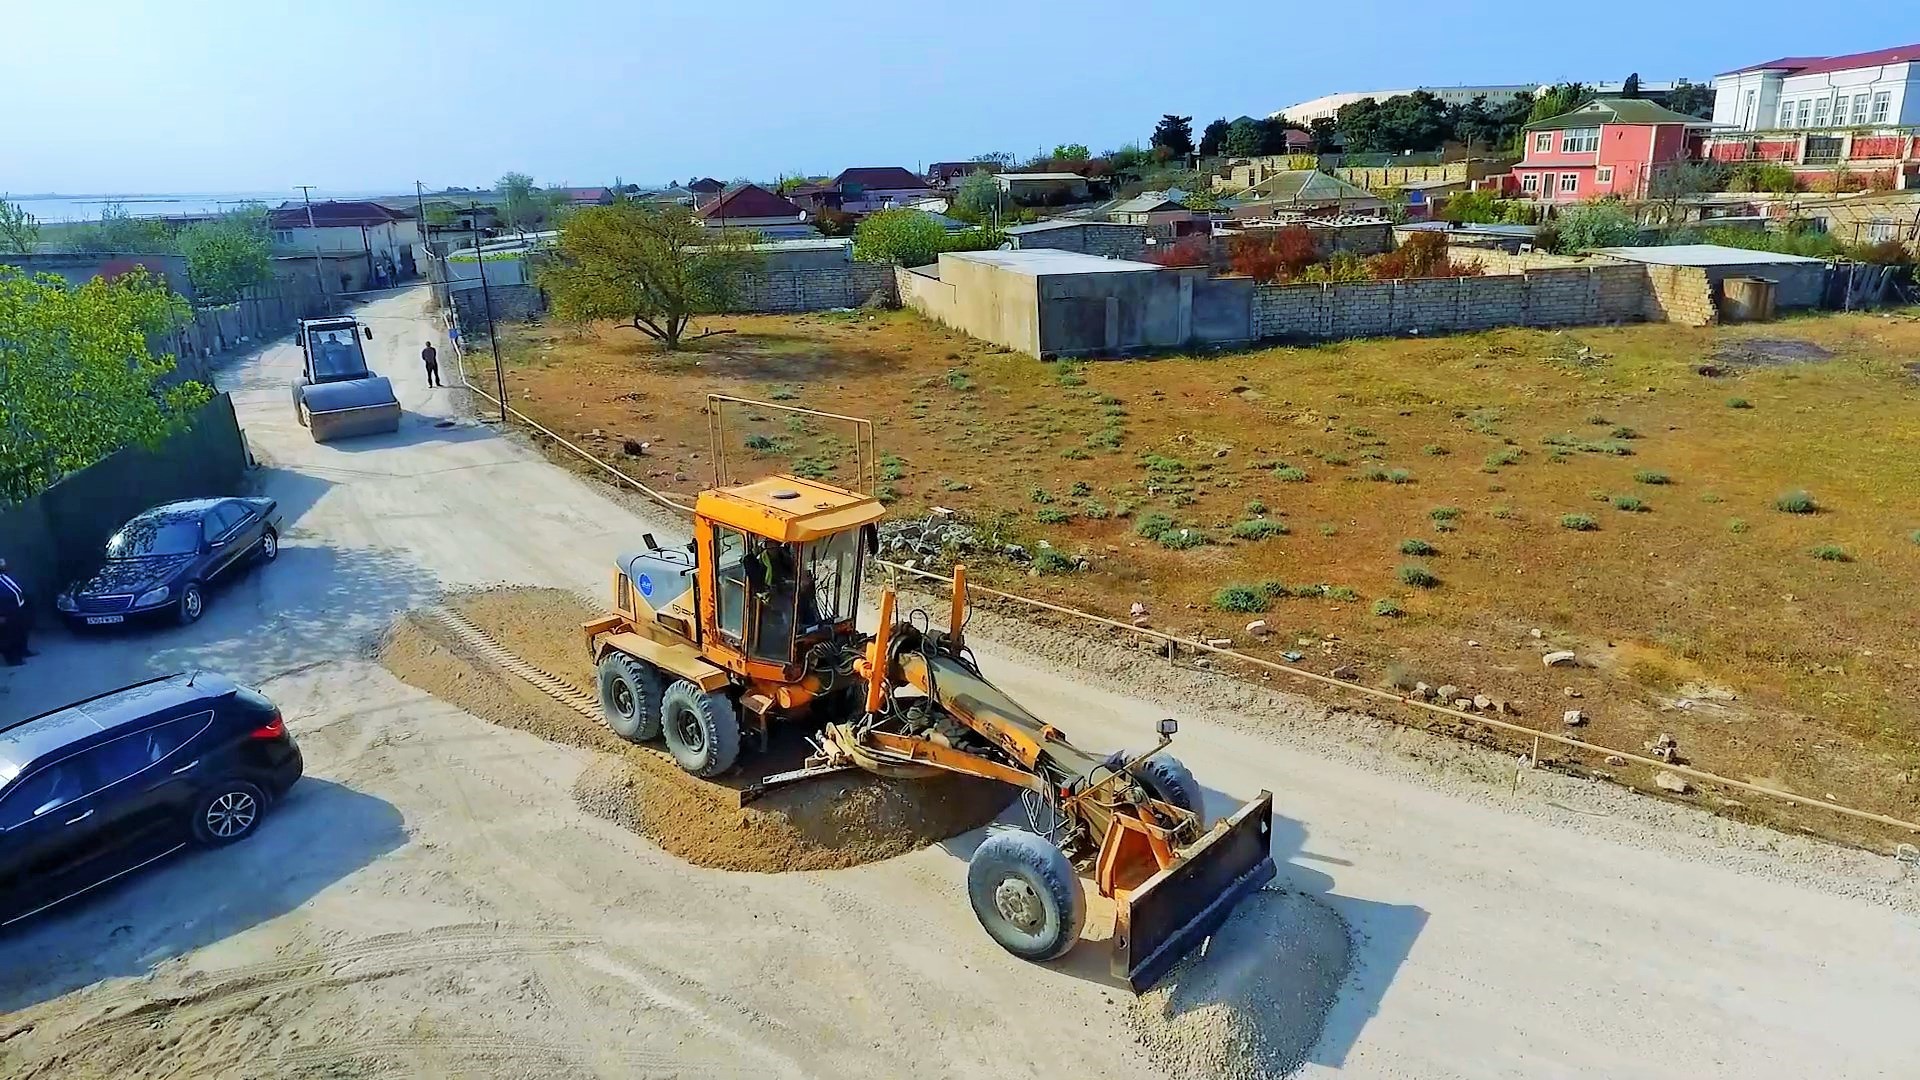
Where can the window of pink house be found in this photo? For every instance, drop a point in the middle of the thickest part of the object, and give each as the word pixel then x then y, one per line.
pixel 1580 141
pixel 1543 142
pixel 1569 181
pixel 1529 181
pixel 1603 175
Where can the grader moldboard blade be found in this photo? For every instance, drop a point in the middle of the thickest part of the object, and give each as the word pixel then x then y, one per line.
pixel 1177 908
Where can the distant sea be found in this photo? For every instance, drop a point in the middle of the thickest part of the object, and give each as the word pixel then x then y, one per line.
pixel 54 209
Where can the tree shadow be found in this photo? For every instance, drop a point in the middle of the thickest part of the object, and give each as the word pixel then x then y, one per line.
pixel 319 834
pixel 312 604
pixel 1380 935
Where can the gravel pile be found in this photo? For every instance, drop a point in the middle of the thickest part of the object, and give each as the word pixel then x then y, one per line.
pixel 1250 1004
pixel 837 821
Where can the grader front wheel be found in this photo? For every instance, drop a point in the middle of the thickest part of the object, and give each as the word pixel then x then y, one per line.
pixel 630 697
pixel 1026 895
pixel 702 729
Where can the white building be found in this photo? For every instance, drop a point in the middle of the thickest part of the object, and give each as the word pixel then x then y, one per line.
pixel 1879 88
pixel 365 242
pixel 1327 106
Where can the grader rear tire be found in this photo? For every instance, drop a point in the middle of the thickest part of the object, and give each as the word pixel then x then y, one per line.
pixel 702 729
pixel 630 694
pixel 1026 896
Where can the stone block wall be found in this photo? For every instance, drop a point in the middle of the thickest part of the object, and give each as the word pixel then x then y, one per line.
pixel 818 290
pixel 1108 239
pixel 1565 297
pixel 1680 294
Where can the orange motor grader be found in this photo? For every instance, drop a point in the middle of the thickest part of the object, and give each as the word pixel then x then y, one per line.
pixel 755 623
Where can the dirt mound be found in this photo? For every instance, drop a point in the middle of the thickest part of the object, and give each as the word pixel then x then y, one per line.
pixel 834 822
pixel 1770 352
pixel 1252 1003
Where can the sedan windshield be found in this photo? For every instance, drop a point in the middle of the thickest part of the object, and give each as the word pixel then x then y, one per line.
pixel 144 539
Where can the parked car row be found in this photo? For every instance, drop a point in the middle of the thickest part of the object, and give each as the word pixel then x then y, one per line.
pixel 95 790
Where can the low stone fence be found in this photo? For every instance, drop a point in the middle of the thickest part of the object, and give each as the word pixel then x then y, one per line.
pixel 1565 297
pixel 818 290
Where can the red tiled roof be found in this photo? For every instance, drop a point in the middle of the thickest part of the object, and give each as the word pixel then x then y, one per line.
pixel 332 214
pixel 1820 65
pixel 882 177
pixel 751 201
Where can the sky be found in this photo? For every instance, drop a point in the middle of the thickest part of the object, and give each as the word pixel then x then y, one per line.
pixel 364 95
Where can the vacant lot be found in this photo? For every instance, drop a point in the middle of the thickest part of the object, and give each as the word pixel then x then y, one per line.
pixel 1723 525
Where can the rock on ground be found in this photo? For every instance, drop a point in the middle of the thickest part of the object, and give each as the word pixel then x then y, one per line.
pixel 1250 1003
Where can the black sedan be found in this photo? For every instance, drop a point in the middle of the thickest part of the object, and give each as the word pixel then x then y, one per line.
pixel 162 562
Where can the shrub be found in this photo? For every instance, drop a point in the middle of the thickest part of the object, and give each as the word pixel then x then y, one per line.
pixel 1329 529
pixel 1051 561
pixel 1401 476
pixel 1336 460
pixel 1272 255
pixel 1376 474
pixel 1444 513
pixel 1736 525
pixel 1074 453
pixel 1105 439
pixel 1245 599
pixel 1417 576
pixel 1181 539
pixel 1386 608
pixel 1597 223
pixel 1290 475
pixel 1502 512
pixel 958 380
pixel 1422 256
pixel 1040 496
pixel 1914 536
pixel 1622 431
pixel 1415 546
pixel 1343 594
pixel 1190 251
pixel 1255 506
pixel 1830 553
pixel 1796 502
pixel 1628 503
pixel 1508 455
pixel 1652 476
pixel 1095 511
pixel 1578 522
pixel 1157 463
pixel 1081 489
pixel 759 442
pixel 1150 526
pixel 1275 589
pixel 1435 450
pixel 1258 529
pixel 1050 516
pixel 1739 403
pixel 1067 373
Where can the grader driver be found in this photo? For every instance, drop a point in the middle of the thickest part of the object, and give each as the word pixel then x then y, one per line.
pixel 754 624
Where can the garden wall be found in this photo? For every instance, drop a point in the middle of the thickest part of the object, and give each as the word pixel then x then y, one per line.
pixel 818 290
pixel 1680 294
pixel 1559 297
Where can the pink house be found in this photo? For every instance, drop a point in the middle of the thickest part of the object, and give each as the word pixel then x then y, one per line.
pixel 1610 146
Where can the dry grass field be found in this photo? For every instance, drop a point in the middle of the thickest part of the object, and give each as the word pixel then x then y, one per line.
pixel 1722 524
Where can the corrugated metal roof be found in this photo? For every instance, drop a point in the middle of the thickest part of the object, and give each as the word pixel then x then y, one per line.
pixel 1817 65
pixel 1616 111
pixel 1305 185
pixel 1703 255
pixel 1146 203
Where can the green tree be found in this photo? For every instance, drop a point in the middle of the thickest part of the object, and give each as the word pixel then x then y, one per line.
pixel 1471 207
pixel 1211 138
pixel 228 255
pixel 120 232
pixel 19 230
pixel 1072 152
pixel 1595 224
pixel 974 200
pixel 903 237
pixel 1174 135
pixel 1631 88
pixel 521 204
pixel 1127 157
pixel 78 380
pixel 1558 99
pixel 652 268
pixel 1243 138
pixel 1693 99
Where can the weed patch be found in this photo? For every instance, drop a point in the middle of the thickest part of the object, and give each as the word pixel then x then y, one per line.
pixel 1796 502
pixel 1578 522
pixel 1416 546
pixel 1417 576
pixel 1257 529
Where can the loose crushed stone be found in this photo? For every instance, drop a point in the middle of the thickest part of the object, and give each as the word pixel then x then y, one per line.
pixel 838 821
pixel 1251 1003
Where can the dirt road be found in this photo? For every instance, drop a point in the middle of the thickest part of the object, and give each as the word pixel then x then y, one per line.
pixel 432 902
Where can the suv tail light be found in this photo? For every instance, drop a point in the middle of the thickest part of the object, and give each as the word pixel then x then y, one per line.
pixel 273 729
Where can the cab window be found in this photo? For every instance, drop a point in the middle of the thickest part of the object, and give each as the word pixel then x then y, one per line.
pixel 730 582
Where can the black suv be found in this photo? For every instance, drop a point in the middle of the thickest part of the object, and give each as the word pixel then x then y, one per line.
pixel 100 788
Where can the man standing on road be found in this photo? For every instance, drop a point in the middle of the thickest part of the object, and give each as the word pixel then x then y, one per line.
pixel 14 618
pixel 431 358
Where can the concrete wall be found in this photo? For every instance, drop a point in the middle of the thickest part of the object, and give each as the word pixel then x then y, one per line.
pixel 57 536
pixel 1565 297
pixel 850 285
pixel 1107 239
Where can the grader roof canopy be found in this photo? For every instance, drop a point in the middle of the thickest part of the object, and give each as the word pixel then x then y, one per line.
pixel 789 509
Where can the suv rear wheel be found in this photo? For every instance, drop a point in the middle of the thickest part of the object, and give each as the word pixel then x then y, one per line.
pixel 228 812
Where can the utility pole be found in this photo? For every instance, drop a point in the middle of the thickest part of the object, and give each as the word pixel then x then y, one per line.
pixel 319 271
pixel 486 299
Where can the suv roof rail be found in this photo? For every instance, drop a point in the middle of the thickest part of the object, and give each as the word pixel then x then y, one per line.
pixel 104 693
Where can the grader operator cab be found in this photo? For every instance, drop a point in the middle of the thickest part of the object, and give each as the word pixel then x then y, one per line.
pixel 755 623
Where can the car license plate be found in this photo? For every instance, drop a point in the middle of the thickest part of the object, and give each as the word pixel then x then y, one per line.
pixel 105 620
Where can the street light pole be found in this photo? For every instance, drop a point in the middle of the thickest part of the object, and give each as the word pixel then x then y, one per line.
pixel 486 299
pixel 319 272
